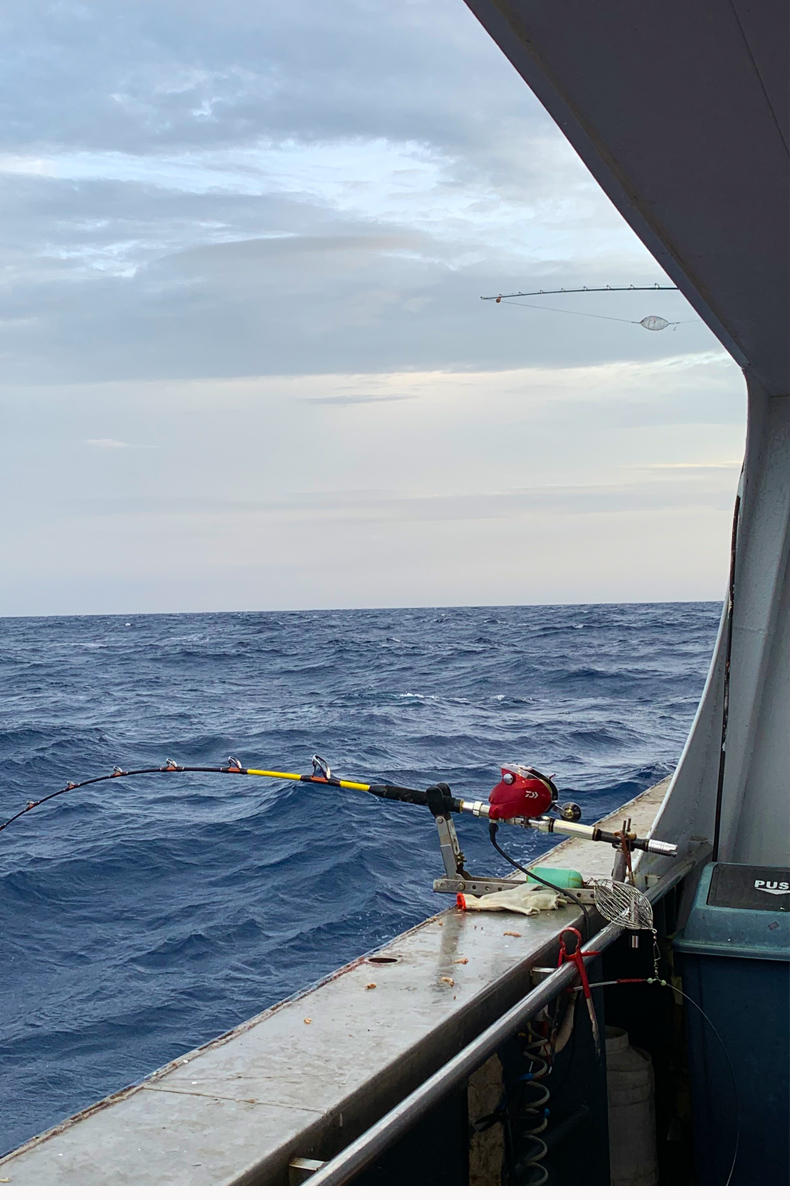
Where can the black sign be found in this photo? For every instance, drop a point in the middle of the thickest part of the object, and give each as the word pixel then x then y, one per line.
pixel 764 888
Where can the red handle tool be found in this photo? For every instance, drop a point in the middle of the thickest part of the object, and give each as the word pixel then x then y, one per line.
pixel 573 953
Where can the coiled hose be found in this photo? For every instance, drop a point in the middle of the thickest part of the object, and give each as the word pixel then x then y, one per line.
pixel 531 1114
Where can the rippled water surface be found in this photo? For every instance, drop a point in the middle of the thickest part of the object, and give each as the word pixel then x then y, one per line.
pixel 141 918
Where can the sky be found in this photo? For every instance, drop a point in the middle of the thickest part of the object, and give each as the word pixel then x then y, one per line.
pixel 245 362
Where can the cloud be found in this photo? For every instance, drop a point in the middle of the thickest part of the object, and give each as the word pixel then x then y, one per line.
pixel 255 235
pixel 190 74
pixel 353 399
pixel 380 507
pixel 338 298
pixel 726 465
pixel 263 189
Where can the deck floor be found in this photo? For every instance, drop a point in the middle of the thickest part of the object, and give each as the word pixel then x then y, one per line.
pixel 307 1076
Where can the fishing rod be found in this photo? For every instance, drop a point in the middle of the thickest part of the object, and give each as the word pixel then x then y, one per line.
pixel 653 323
pixel 523 797
pixel 656 287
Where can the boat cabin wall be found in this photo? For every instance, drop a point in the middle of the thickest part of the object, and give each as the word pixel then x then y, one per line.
pixel 755 794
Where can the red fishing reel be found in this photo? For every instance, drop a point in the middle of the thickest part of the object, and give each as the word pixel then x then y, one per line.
pixel 525 792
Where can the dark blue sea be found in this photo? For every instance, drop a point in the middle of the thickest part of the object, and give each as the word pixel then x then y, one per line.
pixel 142 918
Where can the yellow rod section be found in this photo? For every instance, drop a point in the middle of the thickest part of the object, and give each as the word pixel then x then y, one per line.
pixel 272 774
pixel 345 783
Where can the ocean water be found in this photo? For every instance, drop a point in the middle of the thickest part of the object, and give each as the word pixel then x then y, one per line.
pixel 142 918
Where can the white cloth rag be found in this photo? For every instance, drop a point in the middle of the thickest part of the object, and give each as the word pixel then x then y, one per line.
pixel 528 899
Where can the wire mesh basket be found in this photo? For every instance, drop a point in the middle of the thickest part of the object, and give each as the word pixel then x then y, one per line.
pixel 621 904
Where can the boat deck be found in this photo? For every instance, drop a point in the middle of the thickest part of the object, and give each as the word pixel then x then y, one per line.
pixel 304 1078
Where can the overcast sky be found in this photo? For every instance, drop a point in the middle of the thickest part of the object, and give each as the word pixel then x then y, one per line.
pixel 245 360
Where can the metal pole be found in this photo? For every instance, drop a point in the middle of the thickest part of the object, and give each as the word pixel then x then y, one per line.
pixel 349 1162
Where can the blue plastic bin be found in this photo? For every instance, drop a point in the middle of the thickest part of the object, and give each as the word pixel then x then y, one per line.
pixel 734 958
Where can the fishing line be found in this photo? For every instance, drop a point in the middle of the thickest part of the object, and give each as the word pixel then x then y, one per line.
pixel 701 1011
pixel 424 797
pixel 322 774
pixel 596 316
pixel 503 1114
pixel 572 312
pixel 170 766
pixel 492 831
